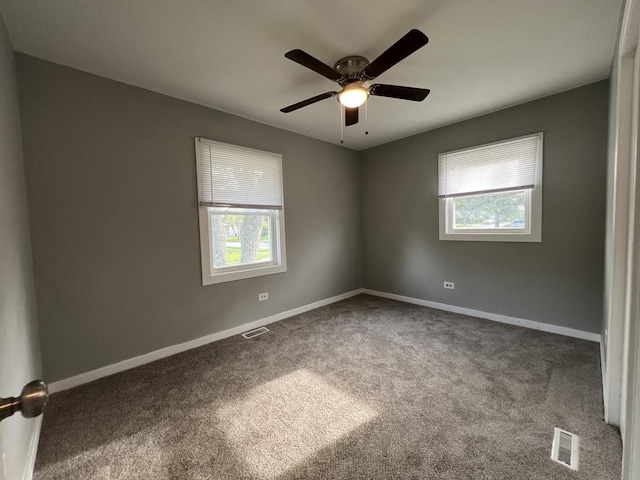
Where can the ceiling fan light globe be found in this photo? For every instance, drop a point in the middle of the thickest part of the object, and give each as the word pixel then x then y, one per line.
pixel 352 96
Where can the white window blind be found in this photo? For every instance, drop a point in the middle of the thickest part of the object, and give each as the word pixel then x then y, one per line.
pixel 508 165
pixel 240 177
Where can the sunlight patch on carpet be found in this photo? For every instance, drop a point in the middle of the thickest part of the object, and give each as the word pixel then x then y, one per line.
pixel 281 423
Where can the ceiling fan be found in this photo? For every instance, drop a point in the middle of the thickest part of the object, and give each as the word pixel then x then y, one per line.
pixel 353 74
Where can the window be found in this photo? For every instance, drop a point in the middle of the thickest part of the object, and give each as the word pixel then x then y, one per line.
pixel 241 212
pixel 492 192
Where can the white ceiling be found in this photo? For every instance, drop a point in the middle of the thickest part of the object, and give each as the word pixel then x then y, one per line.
pixel 483 55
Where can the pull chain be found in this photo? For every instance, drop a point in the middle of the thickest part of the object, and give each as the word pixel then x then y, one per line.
pixel 341 123
pixel 366 118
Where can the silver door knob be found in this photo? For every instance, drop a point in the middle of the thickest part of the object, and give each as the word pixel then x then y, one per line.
pixel 31 402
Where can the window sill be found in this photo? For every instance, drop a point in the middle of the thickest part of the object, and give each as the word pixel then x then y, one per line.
pixel 249 272
pixel 492 237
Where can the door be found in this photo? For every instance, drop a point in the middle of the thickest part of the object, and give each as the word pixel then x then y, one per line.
pixel 19 349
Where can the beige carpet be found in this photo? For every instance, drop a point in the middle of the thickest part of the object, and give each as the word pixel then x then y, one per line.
pixel 366 388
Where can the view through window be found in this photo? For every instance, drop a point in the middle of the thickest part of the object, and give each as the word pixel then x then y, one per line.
pixel 492 210
pixel 241 236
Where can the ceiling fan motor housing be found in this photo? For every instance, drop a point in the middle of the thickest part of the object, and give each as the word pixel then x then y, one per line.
pixel 350 68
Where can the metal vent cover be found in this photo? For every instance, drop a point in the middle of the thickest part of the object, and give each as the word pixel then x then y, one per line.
pixel 255 332
pixel 565 448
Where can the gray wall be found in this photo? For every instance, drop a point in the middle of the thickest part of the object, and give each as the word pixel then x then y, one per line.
pixel 558 281
pixel 19 350
pixel 112 190
pixel 111 177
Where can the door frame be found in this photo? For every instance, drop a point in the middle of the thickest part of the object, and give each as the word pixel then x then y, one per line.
pixel 630 398
pixel 621 339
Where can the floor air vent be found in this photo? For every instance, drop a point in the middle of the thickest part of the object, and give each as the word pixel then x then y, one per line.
pixel 255 333
pixel 565 448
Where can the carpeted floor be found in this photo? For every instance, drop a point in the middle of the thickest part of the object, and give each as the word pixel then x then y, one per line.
pixel 366 388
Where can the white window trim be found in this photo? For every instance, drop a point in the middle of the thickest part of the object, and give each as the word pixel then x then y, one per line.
pixel 211 276
pixel 534 212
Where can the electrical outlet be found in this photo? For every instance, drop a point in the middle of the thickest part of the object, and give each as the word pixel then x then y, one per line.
pixel 263 296
pixel 449 285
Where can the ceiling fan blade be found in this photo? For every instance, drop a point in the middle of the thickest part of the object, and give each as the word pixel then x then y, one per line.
pixel 400 50
pixel 396 91
pixel 308 101
pixel 306 60
pixel 350 116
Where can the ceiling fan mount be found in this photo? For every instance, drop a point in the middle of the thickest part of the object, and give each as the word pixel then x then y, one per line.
pixel 354 72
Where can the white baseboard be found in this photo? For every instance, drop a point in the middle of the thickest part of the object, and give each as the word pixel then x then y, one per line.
pixel 182 347
pixel 545 327
pixel 33 449
pixel 198 342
